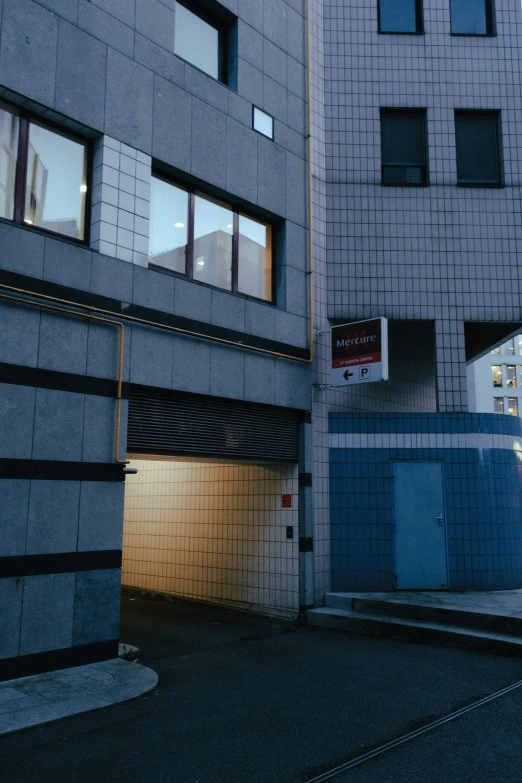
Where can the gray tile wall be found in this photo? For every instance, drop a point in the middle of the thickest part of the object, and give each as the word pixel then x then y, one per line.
pixel 106 69
pixel 39 517
pixel 109 68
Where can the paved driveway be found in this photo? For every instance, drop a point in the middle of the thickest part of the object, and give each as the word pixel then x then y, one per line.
pixel 244 700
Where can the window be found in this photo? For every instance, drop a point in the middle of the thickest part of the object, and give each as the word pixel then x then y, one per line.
pixel 471 17
pixel 42 175
pixel 476 136
pixel 400 16
pixel 207 240
pixel 498 404
pixel 509 347
pixel 511 376
pixel 496 371
pixel 519 343
pixel 262 122
pixel 512 406
pixel 201 41
pixel 403 147
pixel 496 351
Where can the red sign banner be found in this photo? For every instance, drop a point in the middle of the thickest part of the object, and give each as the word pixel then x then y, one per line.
pixel 359 352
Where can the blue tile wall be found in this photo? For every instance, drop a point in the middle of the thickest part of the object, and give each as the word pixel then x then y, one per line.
pixel 483 495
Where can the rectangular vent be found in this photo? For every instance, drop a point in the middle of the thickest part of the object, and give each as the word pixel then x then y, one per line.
pixel 172 423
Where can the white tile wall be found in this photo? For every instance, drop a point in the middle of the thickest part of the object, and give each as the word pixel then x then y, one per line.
pixel 213 532
pixel 121 201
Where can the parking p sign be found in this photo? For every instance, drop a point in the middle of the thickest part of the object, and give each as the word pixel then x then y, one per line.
pixel 359 352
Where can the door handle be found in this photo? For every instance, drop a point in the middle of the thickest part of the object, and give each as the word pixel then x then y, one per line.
pixel 440 520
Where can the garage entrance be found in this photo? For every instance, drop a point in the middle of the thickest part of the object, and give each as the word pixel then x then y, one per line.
pixel 204 519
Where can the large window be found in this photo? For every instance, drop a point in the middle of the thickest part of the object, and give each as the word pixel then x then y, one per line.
pixel 512 406
pixel 476 137
pixel 511 376
pixel 471 17
pixel 498 404
pixel 42 175
pixel 400 16
pixel 496 372
pixel 201 40
pixel 403 147
pixel 209 241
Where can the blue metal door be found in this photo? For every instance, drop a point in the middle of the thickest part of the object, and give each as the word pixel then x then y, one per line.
pixel 419 525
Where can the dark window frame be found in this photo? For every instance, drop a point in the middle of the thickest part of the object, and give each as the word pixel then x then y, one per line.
pixel 25 120
pixel 424 167
pixel 419 21
pixel 477 183
pixel 490 23
pixel 192 192
pixel 223 30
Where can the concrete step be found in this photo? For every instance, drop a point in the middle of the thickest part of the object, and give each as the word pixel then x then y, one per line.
pixel 414 630
pixel 424 612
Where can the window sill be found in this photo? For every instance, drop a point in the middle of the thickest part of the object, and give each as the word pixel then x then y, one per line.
pixel 473 35
pixel 396 32
pixel 205 73
pixel 46 233
pixel 405 184
pixel 181 276
pixel 495 185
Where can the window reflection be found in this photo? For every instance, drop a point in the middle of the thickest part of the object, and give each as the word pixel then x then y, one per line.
pixel 168 226
pixel 255 258
pixel 399 16
pixel 511 378
pixel 263 123
pixel 55 185
pixel 196 41
pixel 498 403
pixel 496 371
pixel 470 17
pixel 213 232
pixel 9 129
pixel 512 406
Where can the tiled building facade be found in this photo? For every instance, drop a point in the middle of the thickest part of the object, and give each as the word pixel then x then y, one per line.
pixel 158 306
pixel 439 258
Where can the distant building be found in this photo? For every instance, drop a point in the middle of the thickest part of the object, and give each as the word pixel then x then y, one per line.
pixel 495 380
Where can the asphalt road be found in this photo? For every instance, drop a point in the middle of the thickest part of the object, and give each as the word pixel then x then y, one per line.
pixel 484 745
pixel 244 700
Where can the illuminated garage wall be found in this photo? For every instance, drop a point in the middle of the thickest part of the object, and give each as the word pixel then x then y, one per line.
pixel 213 532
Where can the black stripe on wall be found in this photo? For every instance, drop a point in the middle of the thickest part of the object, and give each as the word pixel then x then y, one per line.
pixel 148 314
pixel 59 563
pixel 37 663
pixel 51 470
pixel 60 381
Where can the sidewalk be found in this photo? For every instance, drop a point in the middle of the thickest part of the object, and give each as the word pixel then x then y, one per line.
pixel 43 698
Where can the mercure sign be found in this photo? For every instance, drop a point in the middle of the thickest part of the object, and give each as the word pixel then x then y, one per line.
pixel 360 352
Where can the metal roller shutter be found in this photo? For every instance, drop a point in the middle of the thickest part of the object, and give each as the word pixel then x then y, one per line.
pixel 175 423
